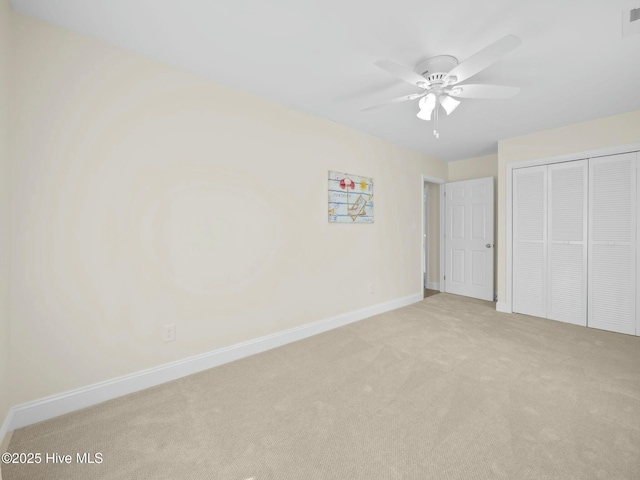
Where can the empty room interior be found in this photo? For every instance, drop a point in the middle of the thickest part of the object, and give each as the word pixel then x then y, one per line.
pixel 324 240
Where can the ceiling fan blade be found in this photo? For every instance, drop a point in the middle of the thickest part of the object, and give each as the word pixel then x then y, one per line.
pixel 403 73
pixel 483 91
pixel 484 58
pixel 413 96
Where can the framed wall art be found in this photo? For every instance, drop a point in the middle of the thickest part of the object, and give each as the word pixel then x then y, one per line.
pixel 350 198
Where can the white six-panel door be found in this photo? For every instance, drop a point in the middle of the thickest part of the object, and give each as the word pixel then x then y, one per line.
pixel 567 242
pixel 612 243
pixel 469 238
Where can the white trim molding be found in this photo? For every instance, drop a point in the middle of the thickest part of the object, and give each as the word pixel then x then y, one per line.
pixel 502 307
pixel 443 236
pixel 439 181
pixel 43 409
pixel 5 433
pixel 433 286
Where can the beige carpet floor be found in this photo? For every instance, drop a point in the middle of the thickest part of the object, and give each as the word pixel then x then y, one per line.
pixel 429 293
pixel 444 389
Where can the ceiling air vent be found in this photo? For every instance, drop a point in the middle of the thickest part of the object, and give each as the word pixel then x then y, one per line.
pixel 630 22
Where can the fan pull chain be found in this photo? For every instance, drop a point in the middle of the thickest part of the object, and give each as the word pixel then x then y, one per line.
pixel 435 130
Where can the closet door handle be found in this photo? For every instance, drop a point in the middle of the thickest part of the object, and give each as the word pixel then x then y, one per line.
pixel 488 245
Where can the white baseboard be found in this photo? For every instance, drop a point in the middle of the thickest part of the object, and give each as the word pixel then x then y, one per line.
pixel 502 307
pixel 433 286
pixel 43 409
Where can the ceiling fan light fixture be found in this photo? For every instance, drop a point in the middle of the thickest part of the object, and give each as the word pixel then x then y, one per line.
pixel 448 103
pixel 426 104
pixel 423 116
pixel 438 78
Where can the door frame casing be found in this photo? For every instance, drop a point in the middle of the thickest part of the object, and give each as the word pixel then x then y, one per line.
pixel 438 181
pixel 425 235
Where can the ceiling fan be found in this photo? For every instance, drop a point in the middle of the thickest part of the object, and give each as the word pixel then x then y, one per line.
pixel 440 79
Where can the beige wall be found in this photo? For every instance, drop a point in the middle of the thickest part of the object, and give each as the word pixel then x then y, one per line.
pixel 145 196
pixel 5 401
pixel 581 137
pixel 472 168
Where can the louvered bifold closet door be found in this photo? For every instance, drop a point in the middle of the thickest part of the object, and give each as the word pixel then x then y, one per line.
pixel 529 240
pixel 612 243
pixel 567 242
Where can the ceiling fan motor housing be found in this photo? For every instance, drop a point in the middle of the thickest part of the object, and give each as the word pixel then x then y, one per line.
pixel 434 69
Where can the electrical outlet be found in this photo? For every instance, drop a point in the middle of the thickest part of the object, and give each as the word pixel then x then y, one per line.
pixel 372 287
pixel 169 333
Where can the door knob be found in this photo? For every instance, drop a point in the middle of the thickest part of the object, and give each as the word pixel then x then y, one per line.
pixel 488 245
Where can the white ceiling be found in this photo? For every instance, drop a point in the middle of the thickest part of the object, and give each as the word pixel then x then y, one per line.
pixel 317 56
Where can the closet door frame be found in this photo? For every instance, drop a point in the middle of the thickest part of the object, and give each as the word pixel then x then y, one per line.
pixel 506 305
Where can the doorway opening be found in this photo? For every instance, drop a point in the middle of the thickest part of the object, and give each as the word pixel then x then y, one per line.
pixel 431 245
